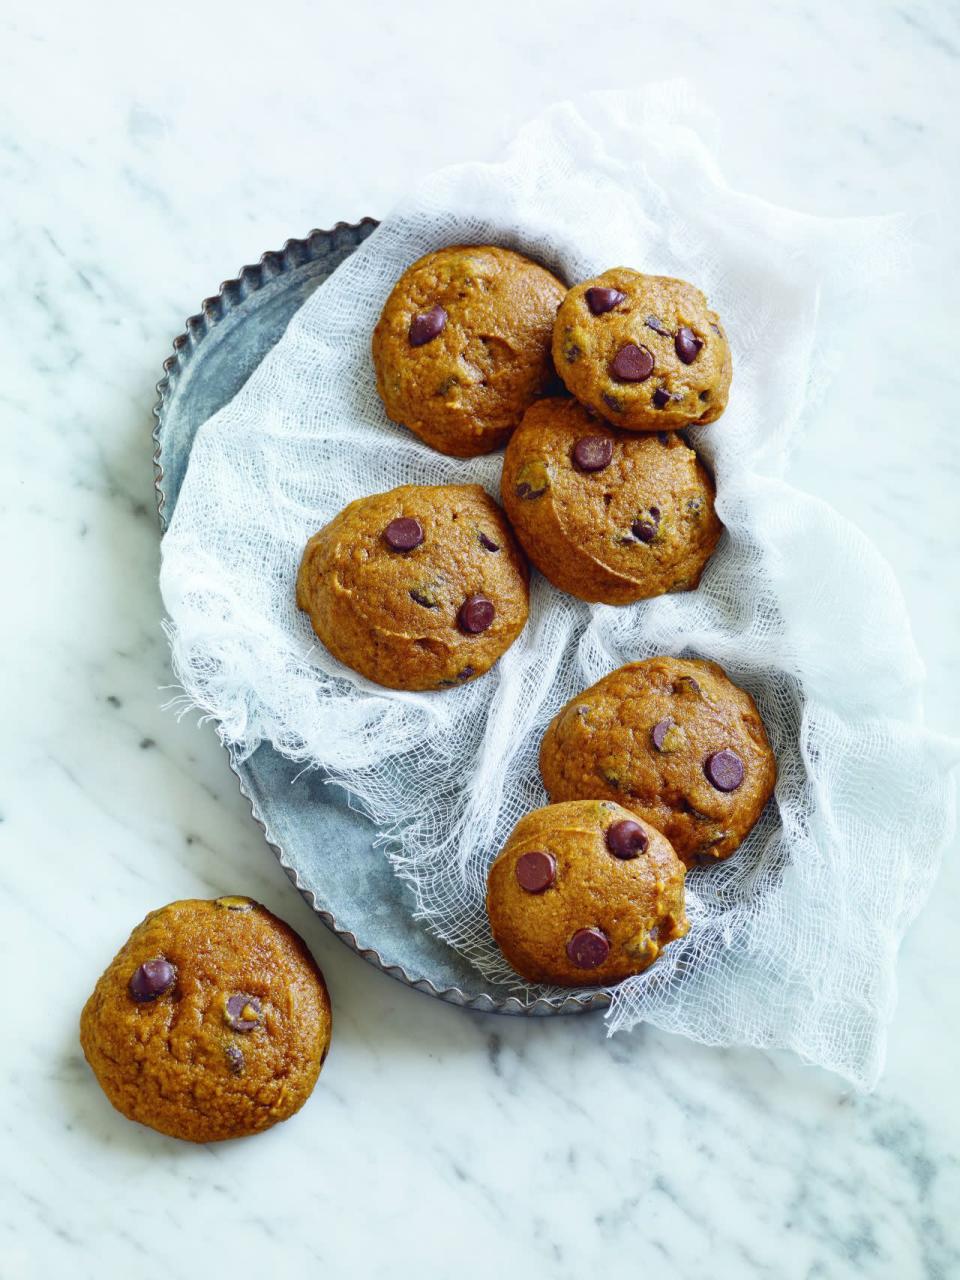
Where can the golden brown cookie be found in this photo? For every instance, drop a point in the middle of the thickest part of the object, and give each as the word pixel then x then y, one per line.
pixel 211 1022
pixel 423 587
pixel 463 345
pixel 675 741
pixel 585 894
pixel 645 352
pixel 607 515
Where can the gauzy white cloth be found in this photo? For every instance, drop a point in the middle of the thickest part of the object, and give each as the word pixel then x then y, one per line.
pixel 793 940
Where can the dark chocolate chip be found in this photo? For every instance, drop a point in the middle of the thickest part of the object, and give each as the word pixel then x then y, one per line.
pixel 632 363
pixel 488 543
pixel 235 1058
pixel 572 353
pixel 704 396
pixel 403 534
pixel 715 328
pixel 661 398
pixel 153 978
pixel 593 453
pixel 600 300
pixel 626 839
pixel 659 732
pixel 724 770
pixel 466 673
pixel 646 530
pixel 652 322
pixel 423 598
pixel 427 326
pixel 663 436
pixel 536 871
pixel 533 480
pixel 687 345
pixel 612 402
pixel 242 1012
pixel 476 614
pixel 588 948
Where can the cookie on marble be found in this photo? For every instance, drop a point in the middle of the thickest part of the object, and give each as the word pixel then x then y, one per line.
pixel 463 346
pixel 420 588
pixel 644 352
pixel 607 515
pixel 211 1022
pixel 675 741
pixel 585 894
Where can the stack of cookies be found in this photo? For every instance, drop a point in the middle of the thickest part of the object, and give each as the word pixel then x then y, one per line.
pixel 664 763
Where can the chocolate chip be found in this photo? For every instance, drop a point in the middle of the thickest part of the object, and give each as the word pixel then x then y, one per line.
pixel 663 436
pixel 572 353
pixel 236 904
pixel 588 948
pixel 632 363
pixel 659 733
pixel 427 326
pixel 626 839
pixel 593 453
pixel 466 673
pixel 403 534
pixel 661 398
pixel 153 978
pixel 612 402
pixel 704 396
pixel 423 597
pixel 724 770
pixel 687 345
pixel 600 300
pixel 476 614
pixel 532 480
pixel 235 1058
pixel 646 530
pixel 652 322
pixel 536 871
pixel 715 328
pixel 242 1013
pixel 488 543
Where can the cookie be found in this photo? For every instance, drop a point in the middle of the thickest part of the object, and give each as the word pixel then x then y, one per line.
pixel 644 352
pixel 211 1022
pixel 673 740
pixel 423 587
pixel 607 515
pixel 462 346
pixel 585 894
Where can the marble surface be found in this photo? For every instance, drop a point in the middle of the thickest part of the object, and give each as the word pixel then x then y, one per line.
pixel 145 156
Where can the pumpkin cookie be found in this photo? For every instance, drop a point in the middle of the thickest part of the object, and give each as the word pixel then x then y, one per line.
pixel 676 742
pixel 211 1022
pixel 463 346
pixel 585 894
pixel 645 352
pixel 423 587
pixel 607 515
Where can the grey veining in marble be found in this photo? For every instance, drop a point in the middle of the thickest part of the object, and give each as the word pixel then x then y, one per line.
pixel 144 157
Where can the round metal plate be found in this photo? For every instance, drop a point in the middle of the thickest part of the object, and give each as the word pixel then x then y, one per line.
pixel 325 847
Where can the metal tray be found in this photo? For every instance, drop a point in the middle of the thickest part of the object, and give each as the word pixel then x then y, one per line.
pixel 325 847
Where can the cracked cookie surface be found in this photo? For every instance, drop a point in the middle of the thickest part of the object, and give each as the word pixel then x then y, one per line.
pixel 211 1022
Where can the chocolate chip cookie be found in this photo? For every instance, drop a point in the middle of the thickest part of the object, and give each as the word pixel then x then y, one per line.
pixel 423 587
pixel 585 894
pixel 607 515
pixel 463 346
pixel 645 352
pixel 211 1022
pixel 675 741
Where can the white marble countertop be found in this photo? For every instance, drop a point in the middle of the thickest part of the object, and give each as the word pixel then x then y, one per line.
pixel 145 157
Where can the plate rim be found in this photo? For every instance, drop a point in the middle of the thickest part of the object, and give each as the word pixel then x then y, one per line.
pixel 295 252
